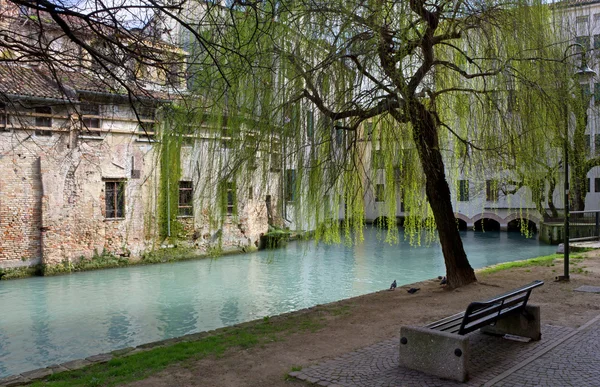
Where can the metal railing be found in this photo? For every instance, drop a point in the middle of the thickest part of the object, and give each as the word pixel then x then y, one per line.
pixel 584 225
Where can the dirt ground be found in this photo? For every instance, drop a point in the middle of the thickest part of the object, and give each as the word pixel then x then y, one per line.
pixel 358 322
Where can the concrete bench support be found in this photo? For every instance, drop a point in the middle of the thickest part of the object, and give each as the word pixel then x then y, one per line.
pixel 526 324
pixel 434 352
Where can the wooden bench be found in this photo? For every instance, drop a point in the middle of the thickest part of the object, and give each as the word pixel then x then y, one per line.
pixel 442 349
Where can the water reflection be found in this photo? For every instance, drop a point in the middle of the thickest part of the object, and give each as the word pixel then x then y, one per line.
pixel 56 319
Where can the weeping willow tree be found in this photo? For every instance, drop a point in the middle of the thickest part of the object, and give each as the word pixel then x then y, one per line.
pixel 413 94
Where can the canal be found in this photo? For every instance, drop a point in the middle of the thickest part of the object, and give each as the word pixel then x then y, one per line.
pixel 50 320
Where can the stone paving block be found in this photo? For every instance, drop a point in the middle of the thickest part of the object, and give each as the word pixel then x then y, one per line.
pixel 588 289
pixel 37 374
pixel 122 351
pixel 154 344
pixel 101 358
pixel 75 364
pixel 8 379
pixel 14 381
pixel 57 368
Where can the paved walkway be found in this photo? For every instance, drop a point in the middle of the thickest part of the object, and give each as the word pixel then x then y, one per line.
pixel 564 357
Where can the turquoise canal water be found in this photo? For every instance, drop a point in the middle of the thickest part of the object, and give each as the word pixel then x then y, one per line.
pixel 49 320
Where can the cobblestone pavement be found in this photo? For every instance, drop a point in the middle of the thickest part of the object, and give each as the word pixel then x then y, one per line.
pixel 491 356
pixel 575 362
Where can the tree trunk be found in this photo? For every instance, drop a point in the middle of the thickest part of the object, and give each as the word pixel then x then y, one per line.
pixel 458 270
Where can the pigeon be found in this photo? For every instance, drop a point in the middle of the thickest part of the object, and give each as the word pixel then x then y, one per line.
pixel 444 281
pixel 393 285
pixel 413 290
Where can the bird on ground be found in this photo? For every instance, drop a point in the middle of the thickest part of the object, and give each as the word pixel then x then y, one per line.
pixel 393 285
pixel 413 290
pixel 444 281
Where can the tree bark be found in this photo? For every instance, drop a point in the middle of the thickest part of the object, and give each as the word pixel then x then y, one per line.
pixel 458 270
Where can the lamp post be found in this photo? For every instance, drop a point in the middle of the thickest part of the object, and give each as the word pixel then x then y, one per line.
pixel 583 73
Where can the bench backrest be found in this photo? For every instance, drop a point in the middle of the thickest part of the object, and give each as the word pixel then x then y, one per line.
pixel 479 314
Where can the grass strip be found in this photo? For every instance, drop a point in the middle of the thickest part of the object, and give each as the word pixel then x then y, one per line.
pixel 129 368
pixel 546 260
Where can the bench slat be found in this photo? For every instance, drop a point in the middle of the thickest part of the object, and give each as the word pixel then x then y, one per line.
pixel 487 320
pixel 479 314
pixel 450 319
pixel 494 308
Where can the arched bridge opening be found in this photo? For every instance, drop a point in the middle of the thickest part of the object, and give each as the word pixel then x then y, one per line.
pixel 522 224
pixel 487 224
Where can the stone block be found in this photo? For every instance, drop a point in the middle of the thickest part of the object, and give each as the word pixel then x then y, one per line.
pixel 13 381
pixel 122 351
pixel 442 354
pixel 525 324
pixel 75 364
pixel 102 358
pixel 37 374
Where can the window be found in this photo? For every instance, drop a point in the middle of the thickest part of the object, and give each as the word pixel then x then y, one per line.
pixel 185 198
pixel 43 120
pixel 340 134
pixel 230 193
pixel 597 93
pixel 597 144
pixel 174 72
pixel 491 190
pixel 290 185
pixel 290 115
pixel 147 124
pixel 587 144
pixel 90 119
pixel 3 117
pixel 397 174
pixel 379 192
pixel 378 159
pixel 597 184
pixel 368 130
pixel 582 26
pixel 251 193
pixel 251 149
pixel 596 42
pixel 115 199
pixel 511 103
pixel 588 185
pixel 310 124
pixel 584 41
pixel 226 138
pixel 275 162
pixel 463 190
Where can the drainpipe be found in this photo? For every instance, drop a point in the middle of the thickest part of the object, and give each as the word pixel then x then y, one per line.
pixel 168 191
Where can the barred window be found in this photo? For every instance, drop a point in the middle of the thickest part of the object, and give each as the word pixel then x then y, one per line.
pixel 43 121
pixel 186 198
pixel 115 199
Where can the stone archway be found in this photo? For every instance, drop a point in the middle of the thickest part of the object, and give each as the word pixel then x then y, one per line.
pixel 515 222
pixel 464 222
pixel 488 221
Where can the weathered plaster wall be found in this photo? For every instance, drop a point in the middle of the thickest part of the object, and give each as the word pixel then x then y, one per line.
pixel 20 203
pixel 53 203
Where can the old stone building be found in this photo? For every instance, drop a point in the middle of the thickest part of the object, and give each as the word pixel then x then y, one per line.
pixel 83 159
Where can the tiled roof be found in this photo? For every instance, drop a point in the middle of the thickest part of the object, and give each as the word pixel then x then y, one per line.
pixel 27 82
pixel 38 82
pixel 574 3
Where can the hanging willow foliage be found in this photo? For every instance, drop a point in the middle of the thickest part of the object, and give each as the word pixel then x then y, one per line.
pixel 416 94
